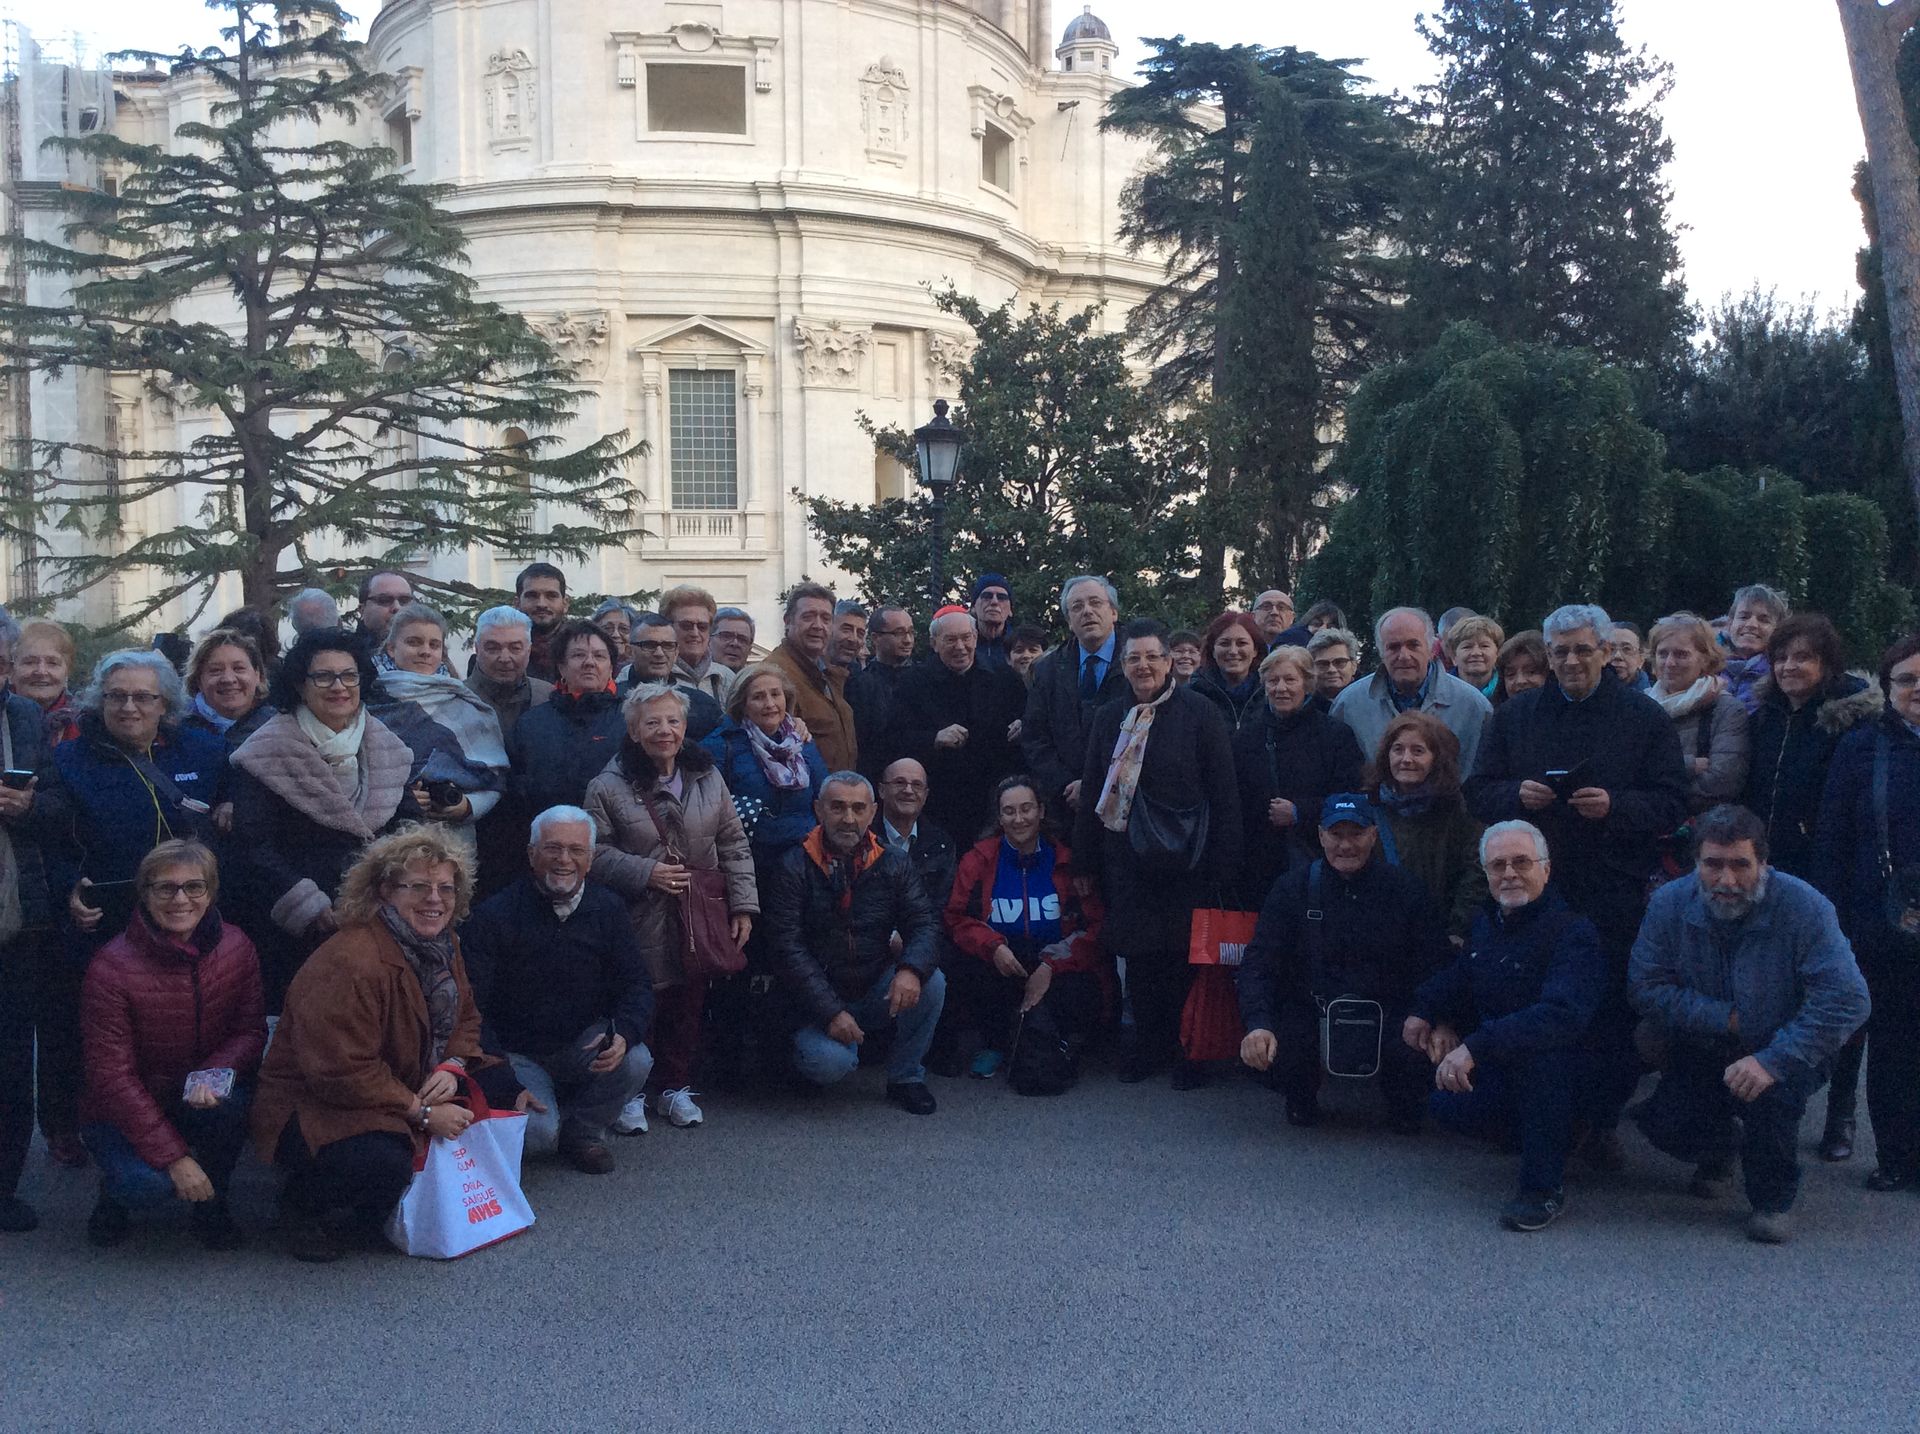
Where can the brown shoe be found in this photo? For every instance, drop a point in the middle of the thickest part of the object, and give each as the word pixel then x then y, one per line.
pixel 589 1156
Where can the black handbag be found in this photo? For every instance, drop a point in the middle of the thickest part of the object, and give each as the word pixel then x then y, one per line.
pixel 1167 838
pixel 1900 891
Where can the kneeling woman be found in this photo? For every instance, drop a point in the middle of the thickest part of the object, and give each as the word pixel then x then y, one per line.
pixel 1024 937
pixel 379 1022
pixel 174 1029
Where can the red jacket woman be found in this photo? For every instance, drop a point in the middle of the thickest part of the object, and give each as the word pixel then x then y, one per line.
pixel 970 909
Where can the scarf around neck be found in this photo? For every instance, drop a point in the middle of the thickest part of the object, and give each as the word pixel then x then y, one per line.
pixel 1702 693
pixel 1415 803
pixel 783 758
pixel 212 718
pixel 431 961
pixel 1129 757
pixel 339 750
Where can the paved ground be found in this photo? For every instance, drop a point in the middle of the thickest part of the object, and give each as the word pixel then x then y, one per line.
pixel 1118 1258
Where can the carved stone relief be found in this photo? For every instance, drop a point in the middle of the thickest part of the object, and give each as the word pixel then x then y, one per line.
pixel 830 351
pixel 883 111
pixel 512 99
pixel 579 336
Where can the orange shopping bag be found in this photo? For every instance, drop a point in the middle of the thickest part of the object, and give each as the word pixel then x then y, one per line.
pixel 1219 938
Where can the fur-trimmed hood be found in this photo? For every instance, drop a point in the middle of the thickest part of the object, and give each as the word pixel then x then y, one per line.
pixel 1852 699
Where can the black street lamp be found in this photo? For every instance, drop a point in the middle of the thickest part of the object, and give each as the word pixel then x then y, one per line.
pixel 936 448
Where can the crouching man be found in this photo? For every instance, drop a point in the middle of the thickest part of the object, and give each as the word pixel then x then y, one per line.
pixel 837 900
pixel 1352 925
pixel 563 994
pixel 1503 1024
pixel 1745 976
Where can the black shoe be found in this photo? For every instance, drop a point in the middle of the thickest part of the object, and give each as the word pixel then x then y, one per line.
pixel 1303 1111
pixel 108 1224
pixel 590 1157
pixel 913 1097
pixel 315 1241
pixel 1190 1075
pixel 17 1217
pixel 1712 1179
pixel 1836 1144
pixel 1884 1179
pixel 1603 1151
pixel 214 1226
pixel 1532 1210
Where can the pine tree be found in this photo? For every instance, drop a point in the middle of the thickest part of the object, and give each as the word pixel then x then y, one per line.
pixel 1068 467
pixel 303 309
pixel 1275 219
pixel 1546 212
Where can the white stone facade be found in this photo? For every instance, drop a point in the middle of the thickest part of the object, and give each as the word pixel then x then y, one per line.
pixel 731 211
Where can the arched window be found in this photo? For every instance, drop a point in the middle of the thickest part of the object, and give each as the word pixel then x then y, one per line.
pixel 511 458
pixel 397 449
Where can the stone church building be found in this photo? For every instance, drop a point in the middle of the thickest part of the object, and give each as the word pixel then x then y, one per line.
pixel 731 212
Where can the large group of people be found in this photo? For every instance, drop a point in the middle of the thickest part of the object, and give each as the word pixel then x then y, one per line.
pixel 305 900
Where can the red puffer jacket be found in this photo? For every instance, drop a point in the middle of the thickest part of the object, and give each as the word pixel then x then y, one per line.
pixel 155 1008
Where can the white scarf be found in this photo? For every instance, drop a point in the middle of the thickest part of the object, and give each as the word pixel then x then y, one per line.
pixel 339 750
pixel 1681 704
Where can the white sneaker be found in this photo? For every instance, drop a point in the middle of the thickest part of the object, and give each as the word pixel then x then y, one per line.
pixel 678 1107
pixel 632 1119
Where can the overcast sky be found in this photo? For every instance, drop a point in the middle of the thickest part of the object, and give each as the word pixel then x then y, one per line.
pixel 1762 114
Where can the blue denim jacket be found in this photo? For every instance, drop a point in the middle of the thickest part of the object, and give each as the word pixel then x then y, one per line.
pixel 1790 974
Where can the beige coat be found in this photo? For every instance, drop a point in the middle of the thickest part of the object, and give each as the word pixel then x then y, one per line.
pixel 629 849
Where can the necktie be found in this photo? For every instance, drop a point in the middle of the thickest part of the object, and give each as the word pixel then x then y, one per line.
pixel 1090 678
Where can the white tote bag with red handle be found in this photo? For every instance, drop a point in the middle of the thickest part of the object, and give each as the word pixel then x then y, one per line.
pixel 465 1192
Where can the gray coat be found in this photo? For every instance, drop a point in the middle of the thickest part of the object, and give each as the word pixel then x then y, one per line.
pixel 1728 750
pixel 628 849
pixel 1791 974
pixel 1367 707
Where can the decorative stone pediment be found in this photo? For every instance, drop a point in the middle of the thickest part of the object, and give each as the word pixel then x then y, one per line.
pixel 831 351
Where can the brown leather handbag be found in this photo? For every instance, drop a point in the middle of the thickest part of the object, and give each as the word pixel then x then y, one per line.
pixel 706 931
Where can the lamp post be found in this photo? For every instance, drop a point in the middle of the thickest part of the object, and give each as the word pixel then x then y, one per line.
pixel 936 449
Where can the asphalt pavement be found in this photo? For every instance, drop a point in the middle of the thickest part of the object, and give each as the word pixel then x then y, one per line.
pixel 1117 1258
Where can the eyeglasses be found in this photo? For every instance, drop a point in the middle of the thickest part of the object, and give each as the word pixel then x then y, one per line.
pixel 654 646
pixel 446 891
pixel 168 890
pixel 1584 651
pixel 1272 607
pixel 1518 865
pixel 1333 662
pixel 387 600
pixel 115 697
pixel 555 850
pixel 904 784
pixel 348 678
pixel 691 624
pixel 1905 681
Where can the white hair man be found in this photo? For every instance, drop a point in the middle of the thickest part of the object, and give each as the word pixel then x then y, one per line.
pixel 1411 679
pixel 1069 685
pixel 1505 1023
pixel 312 609
pixel 1597 767
pixel 502 649
pixel 959 719
pixel 563 993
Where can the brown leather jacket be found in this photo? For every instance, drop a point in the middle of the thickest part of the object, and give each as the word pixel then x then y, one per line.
pixel 822 705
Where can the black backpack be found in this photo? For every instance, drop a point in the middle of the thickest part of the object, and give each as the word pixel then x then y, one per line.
pixel 1042 1062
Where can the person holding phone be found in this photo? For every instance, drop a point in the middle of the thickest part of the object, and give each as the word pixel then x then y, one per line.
pixel 133 778
pixel 175 1030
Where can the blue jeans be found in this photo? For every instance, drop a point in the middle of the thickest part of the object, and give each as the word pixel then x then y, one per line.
pixel 1536 1097
pixel 215 1137
pixel 819 1058
pixel 580 1103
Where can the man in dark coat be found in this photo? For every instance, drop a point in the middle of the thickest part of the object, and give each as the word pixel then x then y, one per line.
pixel 1598 769
pixel 1347 925
pixel 870 689
pixel 655 648
pixel 992 608
pixel 1504 1023
pixel 905 827
pixel 959 720
pixel 1070 684
pixel 563 995
pixel 837 900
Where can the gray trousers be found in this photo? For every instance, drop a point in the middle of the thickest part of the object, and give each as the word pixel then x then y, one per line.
pixel 580 1103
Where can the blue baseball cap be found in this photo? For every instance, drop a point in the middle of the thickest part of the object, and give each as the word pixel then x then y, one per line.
pixel 1350 807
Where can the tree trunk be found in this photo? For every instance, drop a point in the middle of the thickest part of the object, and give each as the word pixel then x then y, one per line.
pixel 1873 32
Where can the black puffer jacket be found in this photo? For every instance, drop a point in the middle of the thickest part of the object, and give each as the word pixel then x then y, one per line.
pixel 830 924
pixel 1304 757
pixel 558 748
pixel 1791 753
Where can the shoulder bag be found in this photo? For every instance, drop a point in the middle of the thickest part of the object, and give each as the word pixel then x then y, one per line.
pixel 707 947
pixel 1900 890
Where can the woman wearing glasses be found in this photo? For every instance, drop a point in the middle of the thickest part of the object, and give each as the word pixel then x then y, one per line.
pixel 175 1031
pixel 316 783
pixel 379 1026
pixel 132 779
